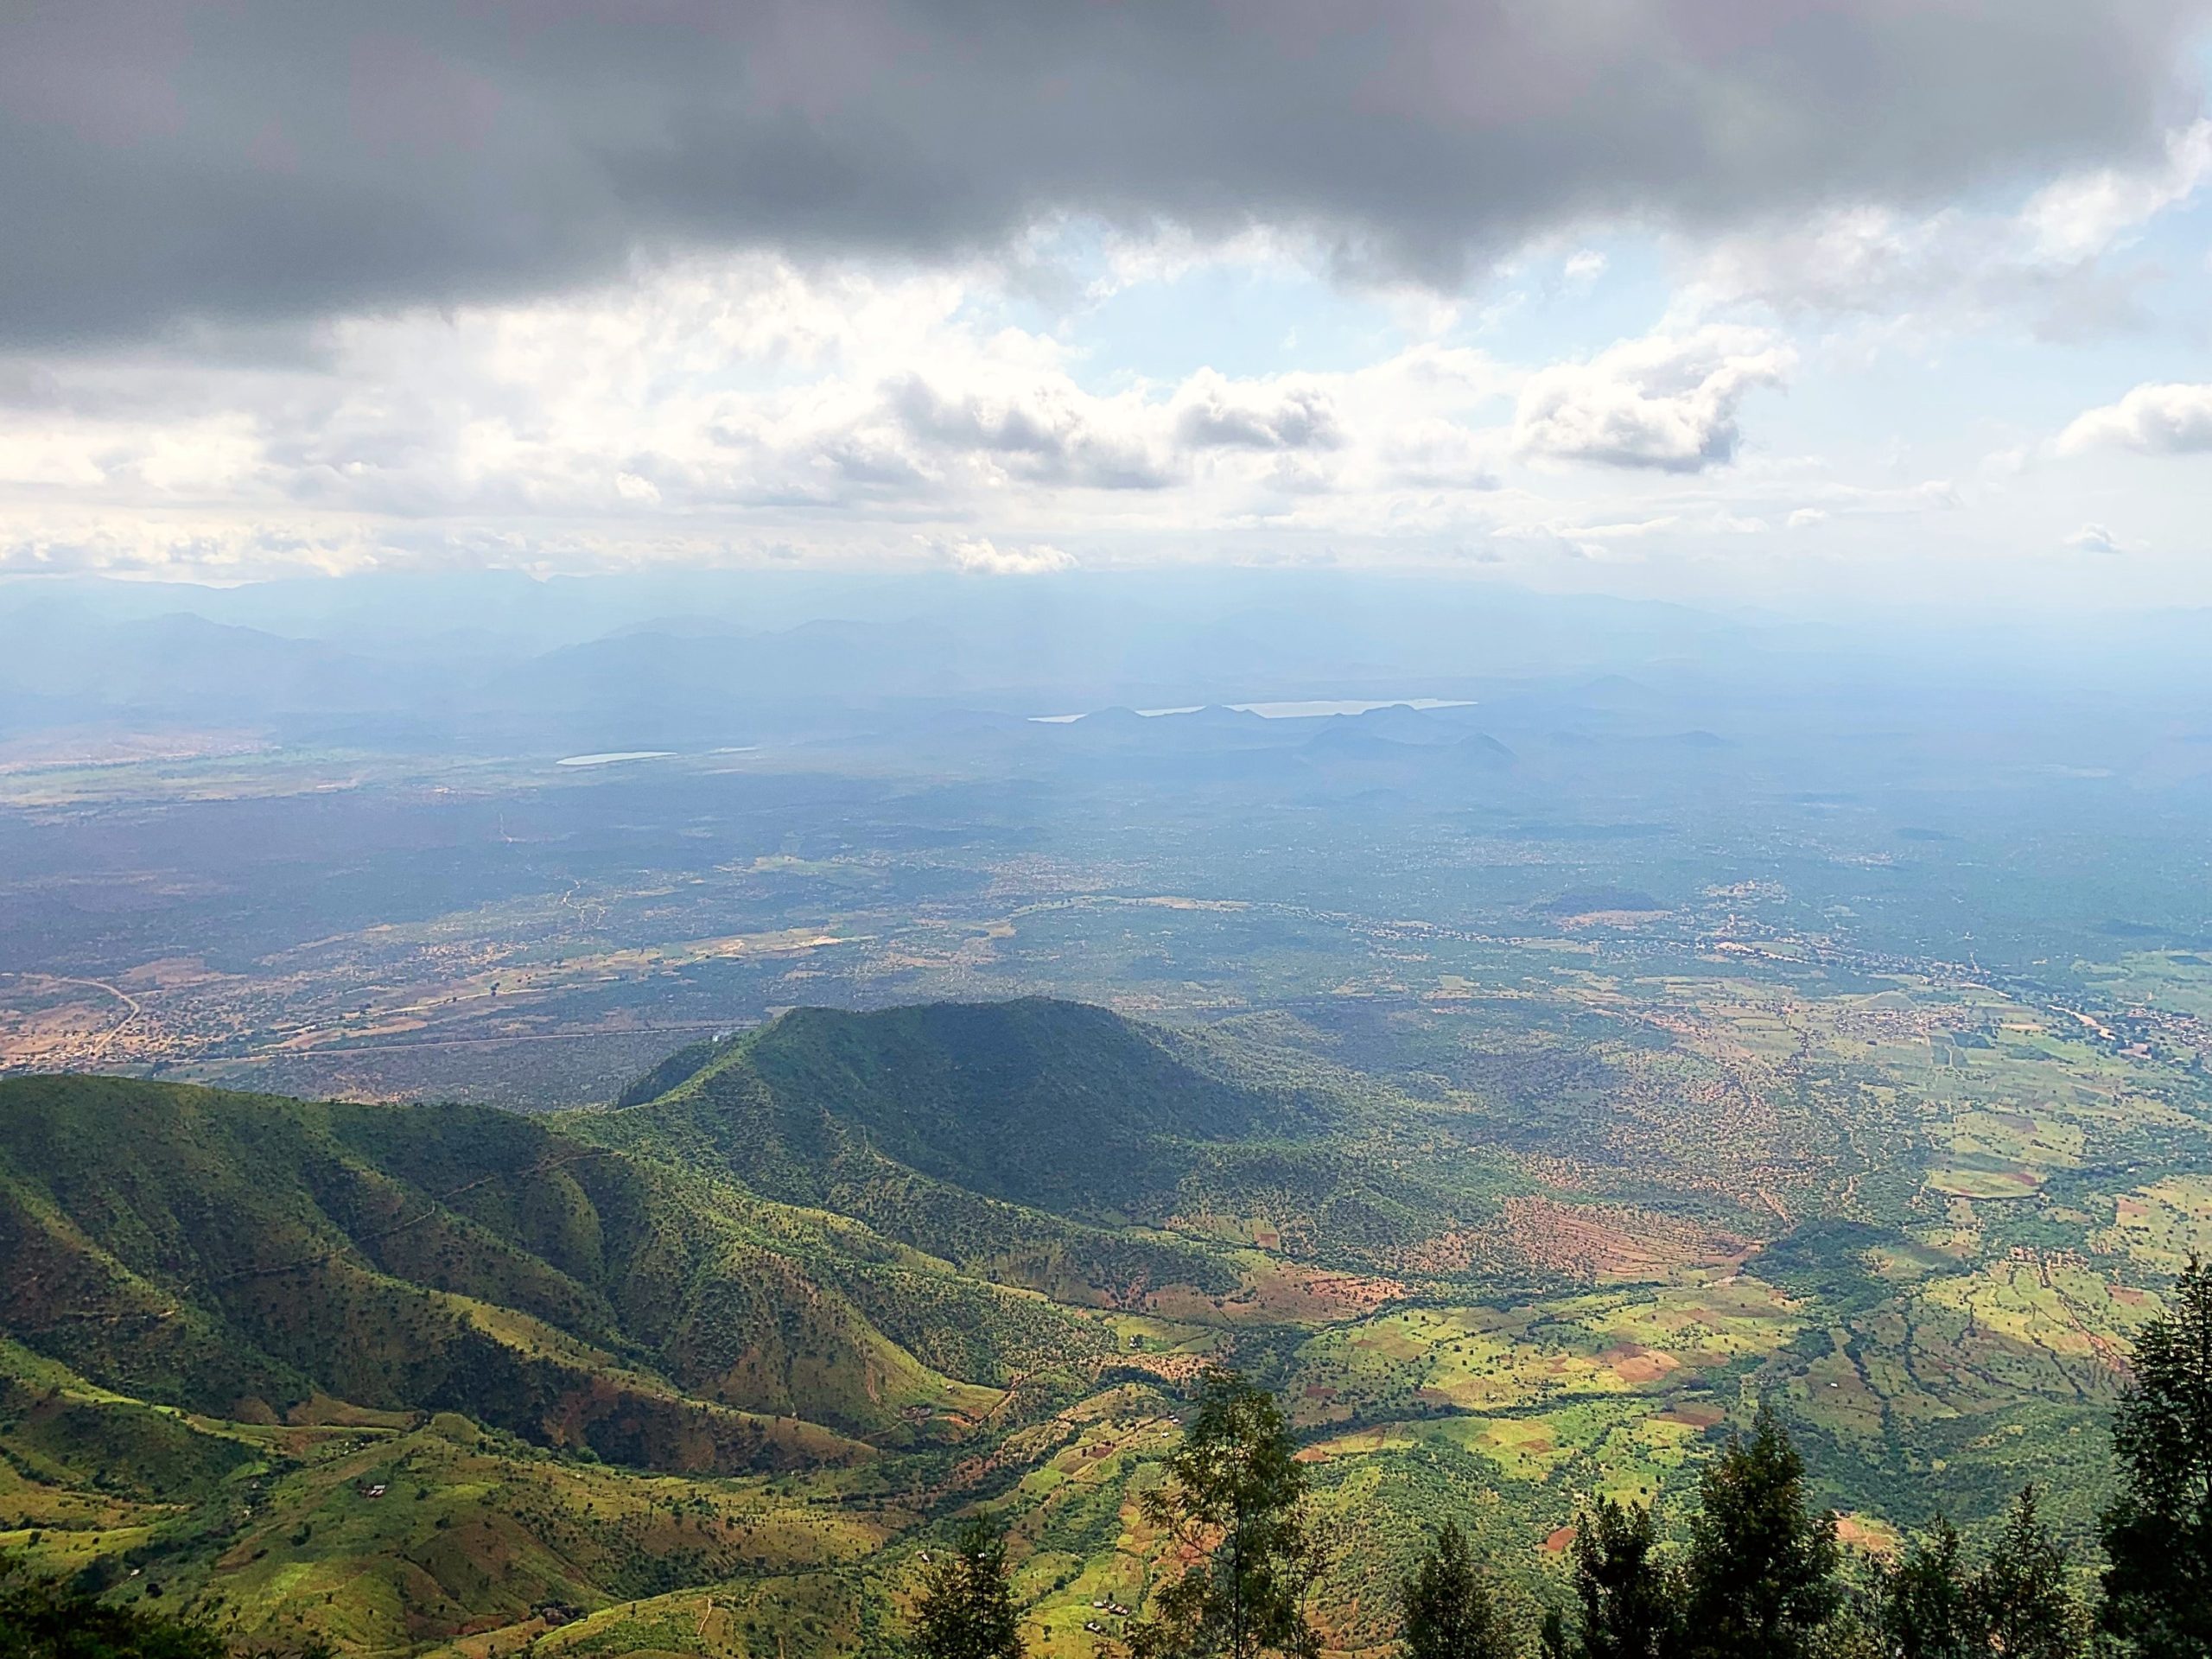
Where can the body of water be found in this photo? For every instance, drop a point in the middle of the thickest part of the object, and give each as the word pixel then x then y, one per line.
pixel 1312 708
pixel 615 758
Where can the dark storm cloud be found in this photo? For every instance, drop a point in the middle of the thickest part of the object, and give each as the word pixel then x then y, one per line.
pixel 259 158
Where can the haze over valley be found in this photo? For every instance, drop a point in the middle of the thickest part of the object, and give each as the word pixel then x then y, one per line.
pixel 1105 833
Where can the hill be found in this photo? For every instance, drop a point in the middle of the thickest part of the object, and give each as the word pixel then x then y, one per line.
pixel 250 1257
pixel 701 1371
pixel 393 1373
pixel 1027 1138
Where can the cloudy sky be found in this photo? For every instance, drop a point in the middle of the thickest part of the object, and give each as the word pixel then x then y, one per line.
pixel 1778 301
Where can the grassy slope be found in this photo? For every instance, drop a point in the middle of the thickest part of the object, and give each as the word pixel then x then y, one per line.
pixel 812 1218
pixel 842 1234
pixel 1027 1140
pixel 241 1255
pixel 280 1528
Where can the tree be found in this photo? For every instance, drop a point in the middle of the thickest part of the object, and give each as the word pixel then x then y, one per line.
pixel 1235 1495
pixel 1761 1578
pixel 46 1618
pixel 1924 1605
pixel 1449 1611
pixel 966 1609
pixel 2158 1535
pixel 1628 1608
pixel 1851 1634
pixel 2024 1607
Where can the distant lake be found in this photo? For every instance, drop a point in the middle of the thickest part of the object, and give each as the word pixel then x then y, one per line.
pixel 1345 706
pixel 1313 709
pixel 616 757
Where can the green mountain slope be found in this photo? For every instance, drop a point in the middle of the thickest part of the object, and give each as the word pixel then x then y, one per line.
pixel 333 1366
pixel 1029 1139
pixel 380 1533
pixel 406 1375
pixel 703 1372
pixel 246 1256
pixel 811 1240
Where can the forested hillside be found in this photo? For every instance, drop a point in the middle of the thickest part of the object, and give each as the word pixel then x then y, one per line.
pixel 707 1369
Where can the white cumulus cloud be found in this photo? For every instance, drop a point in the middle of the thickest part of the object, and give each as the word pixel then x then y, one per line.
pixel 1666 402
pixel 2050 257
pixel 2173 419
pixel 980 557
pixel 1214 414
pixel 2095 539
pixel 2080 216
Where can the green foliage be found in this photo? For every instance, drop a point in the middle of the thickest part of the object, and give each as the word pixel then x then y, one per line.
pixel 803 1251
pixel 1925 1603
pixel 1236 1494
pixel 1826 1257
pixel 1627 1603
pixel 1760 1581
pixel 2022 1596
pixel 966 1608
pixel 2158 1535
pixel 671 1074
pixel 2019 1604
pixel 1015 1138
pixel 45 1618
pixel 1057 1105
pixel 1023 1137
pixel 224 1252
pixel 1450 1613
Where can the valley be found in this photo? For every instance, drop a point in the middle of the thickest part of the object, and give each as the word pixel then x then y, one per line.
pixel 706 1370
pixel 917 830
pixel 457 1202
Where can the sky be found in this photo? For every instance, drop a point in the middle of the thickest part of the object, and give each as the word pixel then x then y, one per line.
pixel 1796 304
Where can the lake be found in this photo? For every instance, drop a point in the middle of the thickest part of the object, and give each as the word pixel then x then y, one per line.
pixel 1312 708
pixel 615 758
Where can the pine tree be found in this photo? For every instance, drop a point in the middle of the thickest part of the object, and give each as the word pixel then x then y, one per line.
pixel 1925 1605
pixel 1449 1611
pixel 2025 1607
pixel 1237 1495
pixel 1852 1634
pixel 1628 1610
pixel 966 1609
pixel 1761 1578
pixel 2157 1535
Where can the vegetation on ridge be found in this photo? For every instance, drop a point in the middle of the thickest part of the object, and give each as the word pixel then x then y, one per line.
pixel 433 1380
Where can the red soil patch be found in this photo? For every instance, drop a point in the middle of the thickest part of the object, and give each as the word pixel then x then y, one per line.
pixel 1284 1291
pixel 1856 1533
pixel 1633 1362
pixel 1610 1241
